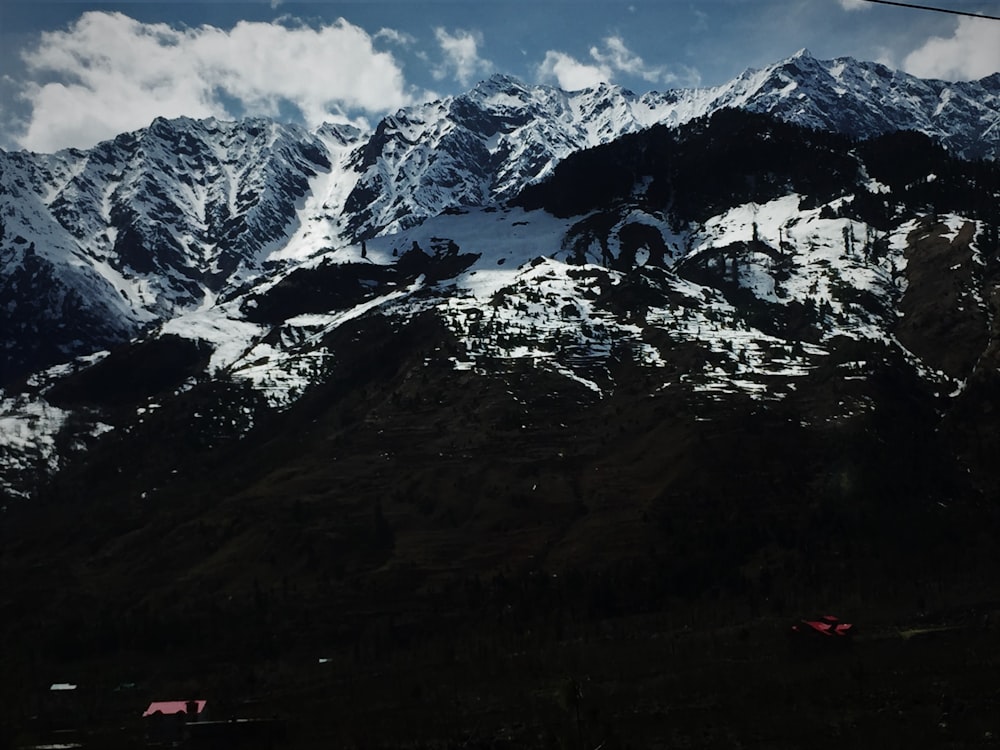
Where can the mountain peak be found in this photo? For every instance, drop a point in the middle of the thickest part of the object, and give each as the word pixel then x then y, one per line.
pixel 499 83
pixel 803 64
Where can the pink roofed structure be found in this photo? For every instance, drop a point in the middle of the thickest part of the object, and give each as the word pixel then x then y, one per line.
pixel 168 708
pixel 167 722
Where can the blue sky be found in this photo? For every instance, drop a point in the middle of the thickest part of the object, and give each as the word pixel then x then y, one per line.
pixel 73 72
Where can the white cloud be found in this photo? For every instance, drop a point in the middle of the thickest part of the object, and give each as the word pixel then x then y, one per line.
pixel 396 37
pixel 461 55
pixel 971 52
pixel 854 4
pixel 109 73
pixel 687 77
pixel 617 56
pixel 570 74
pixel 611 58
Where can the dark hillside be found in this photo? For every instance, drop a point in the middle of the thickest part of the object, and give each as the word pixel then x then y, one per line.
pixel 403 519
pixel 729 158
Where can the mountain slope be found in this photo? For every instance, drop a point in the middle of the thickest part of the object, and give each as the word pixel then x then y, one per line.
pixel 98 244
pixel 731 257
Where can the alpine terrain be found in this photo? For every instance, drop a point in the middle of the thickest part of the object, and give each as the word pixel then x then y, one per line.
pixel 527 419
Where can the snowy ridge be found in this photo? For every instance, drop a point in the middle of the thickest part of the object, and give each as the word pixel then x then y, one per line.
pixel 486 145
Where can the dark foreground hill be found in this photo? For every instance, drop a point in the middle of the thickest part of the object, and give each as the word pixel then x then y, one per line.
pixel 504 562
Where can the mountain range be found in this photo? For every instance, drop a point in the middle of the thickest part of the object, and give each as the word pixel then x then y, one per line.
pixel 187 223
pixel 701 332
pixel 137 229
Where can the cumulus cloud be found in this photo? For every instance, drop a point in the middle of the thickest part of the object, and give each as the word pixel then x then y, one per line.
pixel 616 56
pixel 569 73
pixel 109 73
pixel 461 55
pixel 611 58
pixel 971 52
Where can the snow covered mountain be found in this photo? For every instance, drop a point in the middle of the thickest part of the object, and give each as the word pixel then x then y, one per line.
pixel 486 145
pixel 579 234
pixel 98 244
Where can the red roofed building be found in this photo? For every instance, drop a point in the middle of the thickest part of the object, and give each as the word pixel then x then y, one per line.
pixel 827 625
pixel 816 636
pixel 188 708
pixel 166 721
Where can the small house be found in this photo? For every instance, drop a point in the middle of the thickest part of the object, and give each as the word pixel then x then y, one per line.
pixel 166 721
pixel 820 635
